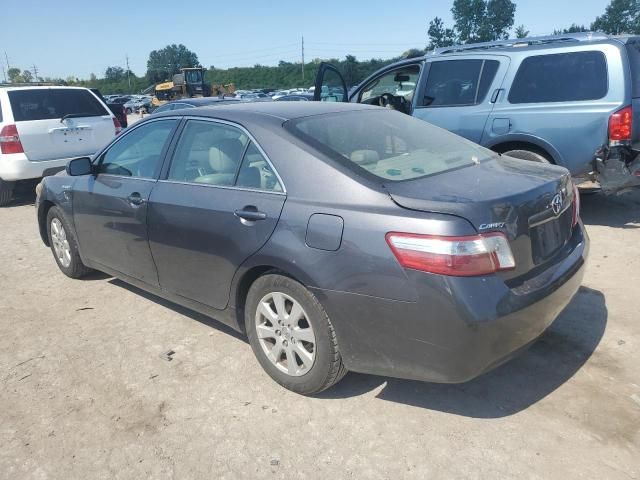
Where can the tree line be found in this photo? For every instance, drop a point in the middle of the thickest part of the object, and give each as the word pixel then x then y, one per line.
pixel 473 21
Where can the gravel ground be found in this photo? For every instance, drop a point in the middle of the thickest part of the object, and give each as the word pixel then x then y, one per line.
pixel 85 394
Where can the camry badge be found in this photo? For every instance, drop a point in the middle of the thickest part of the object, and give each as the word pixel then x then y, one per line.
pixel 556 203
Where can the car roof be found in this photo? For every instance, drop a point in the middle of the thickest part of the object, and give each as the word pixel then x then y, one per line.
pixel 281 110
pixel 39 87
pixel 201 101
pixel 531 43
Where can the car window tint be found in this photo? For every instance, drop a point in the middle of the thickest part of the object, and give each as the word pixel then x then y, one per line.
pixel 138 153
pixel 386 144
pixel 53 103
pixel 562 77
pixel 399 82
pixel 459 82
pixel 256 172
pixel 208 152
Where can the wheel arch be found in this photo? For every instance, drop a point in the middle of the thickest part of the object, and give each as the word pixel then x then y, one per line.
pixel 527 142
pixel 244 280
pixel 43 210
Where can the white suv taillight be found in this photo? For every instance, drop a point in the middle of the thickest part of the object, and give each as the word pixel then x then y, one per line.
pixel 117 125
pixel 456 256
pixel 10 140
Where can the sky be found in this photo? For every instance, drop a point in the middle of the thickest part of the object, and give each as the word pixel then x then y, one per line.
pixel 72 37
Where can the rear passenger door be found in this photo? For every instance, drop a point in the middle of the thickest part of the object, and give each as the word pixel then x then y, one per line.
pixel 218 203
pixel 459 94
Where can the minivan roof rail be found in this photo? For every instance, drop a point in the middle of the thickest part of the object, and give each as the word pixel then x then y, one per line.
pixel 524 42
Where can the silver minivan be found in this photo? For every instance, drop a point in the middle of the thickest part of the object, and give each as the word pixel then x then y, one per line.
pixel 572 100
pixel 43 127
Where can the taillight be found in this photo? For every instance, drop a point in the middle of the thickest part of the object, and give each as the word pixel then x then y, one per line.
pixel 575 206
pixel 10 140
pixel 117 125
pixel 620 125
pixel 456 256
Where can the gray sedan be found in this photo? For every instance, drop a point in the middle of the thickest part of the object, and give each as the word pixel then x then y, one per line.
pixel 335 236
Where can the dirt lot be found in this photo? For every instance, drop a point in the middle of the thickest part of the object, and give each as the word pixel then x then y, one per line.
pixel 85 394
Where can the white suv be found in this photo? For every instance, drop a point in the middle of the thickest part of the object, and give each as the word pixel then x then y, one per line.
pixel 42 128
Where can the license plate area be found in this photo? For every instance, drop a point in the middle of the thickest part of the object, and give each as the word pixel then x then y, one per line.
pixel 549 237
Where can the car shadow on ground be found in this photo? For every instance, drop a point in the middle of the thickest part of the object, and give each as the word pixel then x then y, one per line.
pixel 552 360
pixel 192 314
pixel 619 211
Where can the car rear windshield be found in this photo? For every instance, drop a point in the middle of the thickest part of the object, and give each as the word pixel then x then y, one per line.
pixel 53 103
pixel 386 144
pixel 561 77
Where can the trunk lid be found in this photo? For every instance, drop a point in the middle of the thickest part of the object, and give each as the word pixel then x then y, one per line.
pixel 45 135
pixel 502 194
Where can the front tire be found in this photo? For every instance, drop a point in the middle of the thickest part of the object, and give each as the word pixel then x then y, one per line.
pixel 292 336
pixel 64 246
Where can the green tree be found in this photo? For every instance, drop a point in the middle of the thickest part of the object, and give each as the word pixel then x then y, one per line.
pixel 469 18
pixel 620 16
pixel 27 76
pixel 164 63
pixel 574 28
pixel 413 53
pixel 439 35
pixel 114 74
pixel 498 20
pixel 14 75
pixel 521 31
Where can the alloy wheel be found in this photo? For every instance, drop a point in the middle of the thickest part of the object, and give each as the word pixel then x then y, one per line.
pixel 285 334
pixel 60 243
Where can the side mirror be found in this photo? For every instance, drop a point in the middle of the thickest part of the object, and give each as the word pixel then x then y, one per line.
pixel 79 166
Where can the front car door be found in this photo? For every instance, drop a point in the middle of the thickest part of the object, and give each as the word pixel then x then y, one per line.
pixel 110 207
pixel 330 85
pixel 217 204
pixel 458 94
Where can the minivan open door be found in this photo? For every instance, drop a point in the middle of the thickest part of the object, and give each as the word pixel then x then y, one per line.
pixel 330 85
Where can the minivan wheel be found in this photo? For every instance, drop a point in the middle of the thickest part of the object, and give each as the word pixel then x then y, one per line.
pixel 291 335
pixel 64 246
pixel 6 192
pixel 527 155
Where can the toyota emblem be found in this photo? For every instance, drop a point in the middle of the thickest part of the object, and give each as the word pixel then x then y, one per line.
pixel 556 203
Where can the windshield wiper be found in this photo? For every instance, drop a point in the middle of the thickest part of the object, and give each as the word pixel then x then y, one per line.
pixel 77 115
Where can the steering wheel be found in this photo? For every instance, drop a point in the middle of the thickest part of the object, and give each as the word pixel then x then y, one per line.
pixel 393 102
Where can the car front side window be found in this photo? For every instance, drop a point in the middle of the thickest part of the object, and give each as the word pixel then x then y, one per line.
pixel 139 152
pixel 399 82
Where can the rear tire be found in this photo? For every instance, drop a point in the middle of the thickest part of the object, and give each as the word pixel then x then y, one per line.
pixel 64 246
pixel 282 316
pixel 6 192
pixel 527 155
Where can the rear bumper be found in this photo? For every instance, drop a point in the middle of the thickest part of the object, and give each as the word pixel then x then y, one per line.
pixel 459 328
pixel 16 166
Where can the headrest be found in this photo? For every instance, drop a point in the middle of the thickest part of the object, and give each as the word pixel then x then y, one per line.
pixel 364 157
pixel 225 156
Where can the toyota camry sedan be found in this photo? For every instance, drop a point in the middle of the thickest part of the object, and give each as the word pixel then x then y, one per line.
pixel 337 237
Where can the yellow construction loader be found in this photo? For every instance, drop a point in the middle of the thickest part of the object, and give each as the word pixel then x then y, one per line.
pixel 189 83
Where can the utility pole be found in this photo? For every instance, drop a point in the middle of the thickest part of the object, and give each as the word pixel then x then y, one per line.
pixel 128 78
pixel 7 59
pixel 4 74
pixel 303 58
pixel 35 73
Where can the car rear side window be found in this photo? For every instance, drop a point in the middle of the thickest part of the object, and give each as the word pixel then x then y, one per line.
pixel 561 77
pixel 53 103
pixel 459 82
pixel 633 52
pixel 209 153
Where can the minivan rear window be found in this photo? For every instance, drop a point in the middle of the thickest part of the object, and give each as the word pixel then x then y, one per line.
pixel 561 77
pixel 53 103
